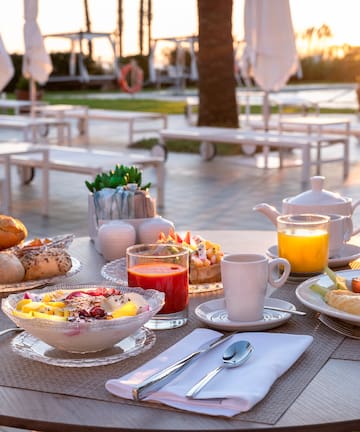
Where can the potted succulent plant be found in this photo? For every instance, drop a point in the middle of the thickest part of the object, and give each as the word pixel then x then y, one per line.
pixel 118 194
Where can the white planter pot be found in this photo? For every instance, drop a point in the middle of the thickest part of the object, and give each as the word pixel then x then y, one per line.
pixel 147 229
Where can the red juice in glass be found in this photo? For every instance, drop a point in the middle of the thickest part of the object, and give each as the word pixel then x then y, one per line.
pixel 171 279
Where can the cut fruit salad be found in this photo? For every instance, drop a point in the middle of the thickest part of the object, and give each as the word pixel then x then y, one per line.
pixel 205 256
pixel 203 252
pixel 80 305
pixel 338 295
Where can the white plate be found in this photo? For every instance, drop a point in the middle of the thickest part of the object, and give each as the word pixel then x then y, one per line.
pixel 30 347
pixel 60 241
pixel 116 272
pixel 213 314
pixel 10 288
pixel 314 301
pixel 350 253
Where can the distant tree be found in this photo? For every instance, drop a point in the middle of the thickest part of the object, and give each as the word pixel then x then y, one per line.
pixel 217 84
pixel 324 33
pixel 308 36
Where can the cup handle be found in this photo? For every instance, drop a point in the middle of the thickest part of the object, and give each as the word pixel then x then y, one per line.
pixel 349 228
pixel 275 281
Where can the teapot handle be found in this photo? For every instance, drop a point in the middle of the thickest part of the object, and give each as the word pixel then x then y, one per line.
pixel 356 231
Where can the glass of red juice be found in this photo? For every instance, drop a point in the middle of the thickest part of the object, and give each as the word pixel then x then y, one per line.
pixel 163 267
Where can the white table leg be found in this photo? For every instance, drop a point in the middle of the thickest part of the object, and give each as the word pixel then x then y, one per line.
pixel 305 170
pixel 86 126
pixel 160 180
pixel 45 181
pixel 6 204
pixel 60 127
pixel 131 131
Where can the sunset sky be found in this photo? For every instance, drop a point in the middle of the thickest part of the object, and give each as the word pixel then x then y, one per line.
pixel 170 18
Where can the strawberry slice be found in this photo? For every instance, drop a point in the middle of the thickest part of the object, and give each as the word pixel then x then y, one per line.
pixel 187 238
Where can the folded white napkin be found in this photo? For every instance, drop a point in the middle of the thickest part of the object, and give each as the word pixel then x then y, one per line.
pixel 233 390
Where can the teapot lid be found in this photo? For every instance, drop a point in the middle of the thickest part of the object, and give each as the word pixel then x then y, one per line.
pixel 317 195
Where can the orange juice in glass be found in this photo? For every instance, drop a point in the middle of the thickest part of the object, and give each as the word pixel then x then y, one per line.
pixel 165 268
pixel 304 241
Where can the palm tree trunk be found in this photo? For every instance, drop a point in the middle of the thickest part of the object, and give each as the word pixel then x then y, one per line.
pixel 217 84
pixel 88 25
pixel 149 15
pixel 141 27
pixel 120 27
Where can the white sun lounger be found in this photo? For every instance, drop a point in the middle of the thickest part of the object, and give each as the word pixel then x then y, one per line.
pixel 154 122
pixel 266 140
pixel 92 162
pixel 32 127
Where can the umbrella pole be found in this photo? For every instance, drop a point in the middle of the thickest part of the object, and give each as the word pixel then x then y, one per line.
pixel 32 107
pixel 266 111
pixel 266 115
pixel 32 96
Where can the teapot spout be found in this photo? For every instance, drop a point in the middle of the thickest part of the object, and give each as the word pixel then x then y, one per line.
pixel 268 211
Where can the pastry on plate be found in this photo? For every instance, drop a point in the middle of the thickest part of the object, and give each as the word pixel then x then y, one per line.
pixel 205 256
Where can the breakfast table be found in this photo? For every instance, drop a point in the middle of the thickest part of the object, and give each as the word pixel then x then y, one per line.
pixel 319 392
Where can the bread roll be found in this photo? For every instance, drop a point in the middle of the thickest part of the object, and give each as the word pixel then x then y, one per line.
pixel 45 263
pixel 12 232
pixel 11 269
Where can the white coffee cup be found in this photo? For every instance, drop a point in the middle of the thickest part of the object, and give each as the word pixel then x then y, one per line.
pixel 245 278
pixel 340 231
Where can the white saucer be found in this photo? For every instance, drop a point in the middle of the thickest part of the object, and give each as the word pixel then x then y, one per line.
pixel 350 253
pixel 213 314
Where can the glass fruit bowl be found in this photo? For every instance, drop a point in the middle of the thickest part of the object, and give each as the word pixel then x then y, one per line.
pixel 84 335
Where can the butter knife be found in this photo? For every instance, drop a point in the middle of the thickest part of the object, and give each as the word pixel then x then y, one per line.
pixel 159 379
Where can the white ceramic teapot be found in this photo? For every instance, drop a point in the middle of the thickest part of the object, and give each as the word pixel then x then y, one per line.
pixel 316 200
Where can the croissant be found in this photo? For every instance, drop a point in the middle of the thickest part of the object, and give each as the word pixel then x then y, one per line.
pixel 344 300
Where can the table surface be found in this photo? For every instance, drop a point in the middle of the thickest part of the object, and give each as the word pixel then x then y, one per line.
pixel 331 400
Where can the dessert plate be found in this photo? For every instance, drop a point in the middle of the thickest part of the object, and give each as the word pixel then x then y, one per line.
pixel 315 302
pixel 350 253
pixel 20 286
pixel 30 347
pixel 213 313
pixel 116 272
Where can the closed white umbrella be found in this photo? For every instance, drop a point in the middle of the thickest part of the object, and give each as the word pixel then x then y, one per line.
pixel 37 64
pixel 6 66
pixel 270 54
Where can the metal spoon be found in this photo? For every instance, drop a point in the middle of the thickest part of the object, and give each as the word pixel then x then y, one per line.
pixel 290 311
pixel 234 355
pixel 8 330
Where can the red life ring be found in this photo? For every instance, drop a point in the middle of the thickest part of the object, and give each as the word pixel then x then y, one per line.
pixel 137 76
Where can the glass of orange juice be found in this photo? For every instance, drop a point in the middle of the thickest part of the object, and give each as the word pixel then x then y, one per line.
pixel 163 267
pixel 303 240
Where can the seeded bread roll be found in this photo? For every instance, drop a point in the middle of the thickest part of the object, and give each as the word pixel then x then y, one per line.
pixel 12 232
pixel 11 269
pixel 46 263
